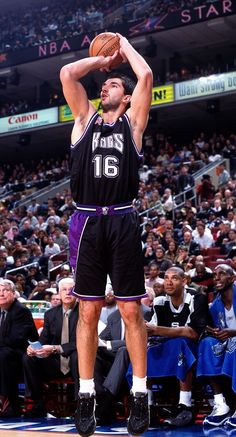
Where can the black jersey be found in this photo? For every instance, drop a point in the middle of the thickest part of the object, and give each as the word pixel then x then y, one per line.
pixel 192 312
pixel 104 163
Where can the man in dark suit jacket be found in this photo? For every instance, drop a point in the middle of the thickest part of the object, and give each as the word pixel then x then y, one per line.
pixel 112 361
pixel 192 246
pixel 53 350
pixel 185 181
pixel 16 328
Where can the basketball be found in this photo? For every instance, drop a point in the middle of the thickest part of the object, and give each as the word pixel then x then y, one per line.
pixel 105 44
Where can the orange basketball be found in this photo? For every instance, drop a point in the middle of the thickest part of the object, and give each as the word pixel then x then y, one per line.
pixel 105 44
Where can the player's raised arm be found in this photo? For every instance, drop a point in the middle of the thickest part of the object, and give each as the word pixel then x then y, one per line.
pixel 142 95
pixel 74 91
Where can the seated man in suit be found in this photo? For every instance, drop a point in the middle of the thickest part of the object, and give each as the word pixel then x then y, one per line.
pixel 58 351
pixel 16 328
pixel 112 361
pixel 178 320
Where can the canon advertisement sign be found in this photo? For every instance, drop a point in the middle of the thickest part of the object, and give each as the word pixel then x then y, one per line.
pixel 29 120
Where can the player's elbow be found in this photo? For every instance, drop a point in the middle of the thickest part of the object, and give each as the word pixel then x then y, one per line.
pixel 65 73
pixel 148 76
pixel 147 81
pixel 145 74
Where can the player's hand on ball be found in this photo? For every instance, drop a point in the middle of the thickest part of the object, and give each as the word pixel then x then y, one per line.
pixel 123 44
pixel 106 44
pixel 107 62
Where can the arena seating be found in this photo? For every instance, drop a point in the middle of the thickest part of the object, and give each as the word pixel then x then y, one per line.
pixel 165 151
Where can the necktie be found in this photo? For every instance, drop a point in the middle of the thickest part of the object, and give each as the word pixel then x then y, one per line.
pixel 2 320
pixel 64 364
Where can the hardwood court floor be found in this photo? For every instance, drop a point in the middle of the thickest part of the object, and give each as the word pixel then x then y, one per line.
pixel 56 427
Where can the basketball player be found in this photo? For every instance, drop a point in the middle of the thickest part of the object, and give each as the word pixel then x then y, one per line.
pixel 104 231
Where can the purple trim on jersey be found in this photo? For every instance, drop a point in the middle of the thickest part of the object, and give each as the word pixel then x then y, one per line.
pixel 84 297
pixel 93 210
pixel 140 154
pixel 94 298
pixel 129 298
pixel 73 293
pixel 77 225
pixel 84 133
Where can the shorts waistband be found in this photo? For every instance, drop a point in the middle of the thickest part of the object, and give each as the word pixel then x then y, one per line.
pixel 92 210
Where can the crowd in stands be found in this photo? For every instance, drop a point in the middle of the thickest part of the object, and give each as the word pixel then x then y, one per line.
pixel 29 238
pixel 48 97
pixel 10 107
pixel 164 173
pixel 167 170
pixel 194 234
pixel 18 106
pixel 161 176
pixel 14 107
pixel 194 72
pixel 194 238
pixel 23 177
pixel 39 24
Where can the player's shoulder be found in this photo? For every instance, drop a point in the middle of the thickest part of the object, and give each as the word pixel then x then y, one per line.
pixel 161 300
pixel 188 297
pixel 87 119
pixel 82 126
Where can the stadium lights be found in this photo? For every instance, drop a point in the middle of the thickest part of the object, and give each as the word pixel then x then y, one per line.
pixel 138 40
pixel 216 22
pixel 5 71
pixel 68 56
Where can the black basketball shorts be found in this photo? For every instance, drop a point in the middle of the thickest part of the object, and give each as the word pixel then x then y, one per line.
pixel 102 245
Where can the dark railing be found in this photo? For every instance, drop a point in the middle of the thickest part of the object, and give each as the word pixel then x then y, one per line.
pixel 51 266
pixel 25 266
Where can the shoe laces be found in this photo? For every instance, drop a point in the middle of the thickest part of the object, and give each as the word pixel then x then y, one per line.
pixel 217 410
pixel 86 406
pixel 139 405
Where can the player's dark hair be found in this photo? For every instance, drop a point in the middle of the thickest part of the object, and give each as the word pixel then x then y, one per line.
pixel 127 82
pixel 177 270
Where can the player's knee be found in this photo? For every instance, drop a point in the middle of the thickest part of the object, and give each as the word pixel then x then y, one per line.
pixel 89 312
pixel 130 312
